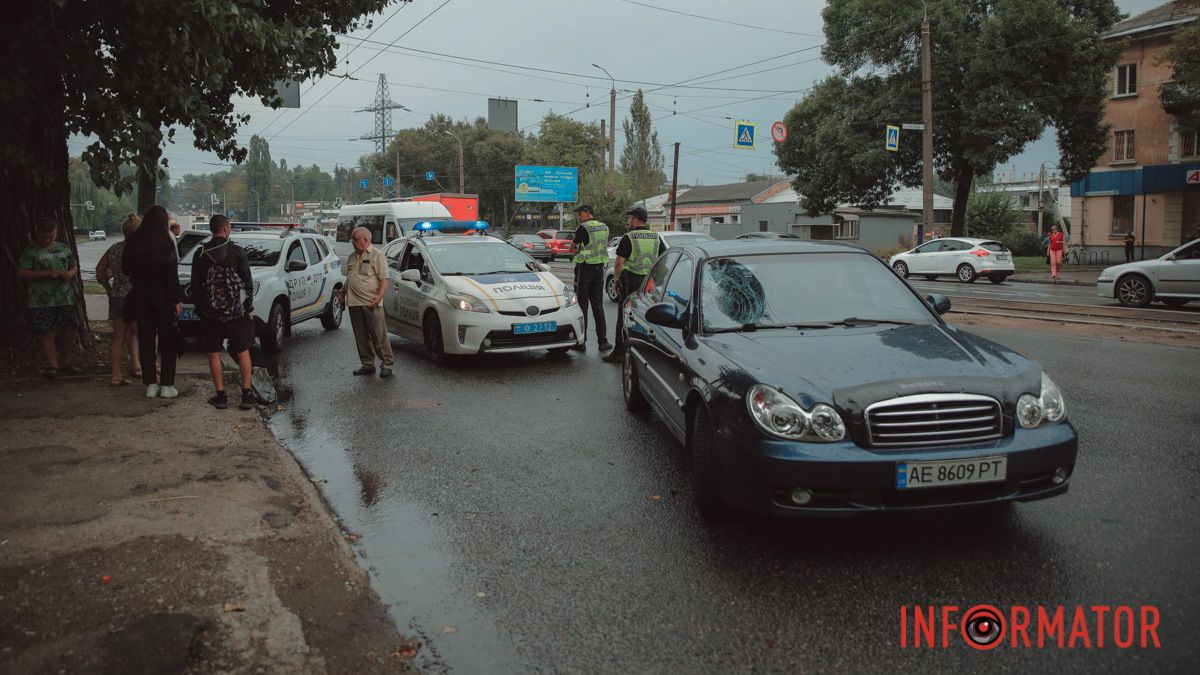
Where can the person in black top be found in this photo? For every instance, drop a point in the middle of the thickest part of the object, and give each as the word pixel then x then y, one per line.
pixel 1129 239
pixel 154 298
pixel 629 278
pixel 216 263
pixel 590 258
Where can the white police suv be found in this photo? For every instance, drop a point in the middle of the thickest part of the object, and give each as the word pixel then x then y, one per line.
pixel 297 277
pixel 474 294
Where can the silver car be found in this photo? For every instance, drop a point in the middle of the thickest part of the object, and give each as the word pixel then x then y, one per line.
pixel 1173 279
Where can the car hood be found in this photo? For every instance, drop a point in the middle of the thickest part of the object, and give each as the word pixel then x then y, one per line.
pixel 1115 271
pixel 853 367
pixel 501 287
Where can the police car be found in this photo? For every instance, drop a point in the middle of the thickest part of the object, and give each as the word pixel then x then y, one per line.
pixel 475 294
pixel 297 277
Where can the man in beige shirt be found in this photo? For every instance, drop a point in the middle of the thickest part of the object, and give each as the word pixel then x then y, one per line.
pixel 366 281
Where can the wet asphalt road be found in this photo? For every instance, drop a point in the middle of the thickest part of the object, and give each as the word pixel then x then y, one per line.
pixel 507 515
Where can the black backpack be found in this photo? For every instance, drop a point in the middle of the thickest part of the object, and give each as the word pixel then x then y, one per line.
pixel 224 287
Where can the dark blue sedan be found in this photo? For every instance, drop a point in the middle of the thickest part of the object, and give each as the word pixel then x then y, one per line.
pixel 808 379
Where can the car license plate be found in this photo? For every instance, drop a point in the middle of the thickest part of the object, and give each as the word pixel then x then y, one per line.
pixel 913 475
pixel 541 327
pixel 1002 257
pixel 189 315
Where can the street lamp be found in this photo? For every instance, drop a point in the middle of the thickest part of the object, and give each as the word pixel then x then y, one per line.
pixel 1042 191
pixel 612 118
pixel 461 182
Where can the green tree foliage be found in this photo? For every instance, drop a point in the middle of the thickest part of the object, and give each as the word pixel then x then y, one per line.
pixel 108 210
pixel 611 197
pixel 259 168
pixel 642 158
pixel 991 215
pixel 1002 72
pixel 1181 96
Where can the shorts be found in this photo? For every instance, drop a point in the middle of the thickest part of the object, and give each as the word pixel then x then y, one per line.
pixel 239 332
pixel 47 319
pixel 116 308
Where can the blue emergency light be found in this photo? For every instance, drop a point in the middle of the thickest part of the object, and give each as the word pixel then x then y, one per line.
pixel 450 226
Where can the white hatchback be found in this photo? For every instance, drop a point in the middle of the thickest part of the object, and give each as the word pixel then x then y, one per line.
pixel 475 294
pixel 961 257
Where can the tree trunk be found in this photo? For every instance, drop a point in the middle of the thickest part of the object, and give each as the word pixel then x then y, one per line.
pixel 34 184
pixel 147 177
pixel 964 174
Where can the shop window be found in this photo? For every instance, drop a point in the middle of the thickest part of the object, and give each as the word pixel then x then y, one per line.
pixel 1123 212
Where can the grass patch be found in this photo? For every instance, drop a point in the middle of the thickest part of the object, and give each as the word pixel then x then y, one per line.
pixel 92 288
pixel 1030 263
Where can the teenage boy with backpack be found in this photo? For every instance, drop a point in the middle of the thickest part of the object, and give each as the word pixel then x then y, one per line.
pixel 223 291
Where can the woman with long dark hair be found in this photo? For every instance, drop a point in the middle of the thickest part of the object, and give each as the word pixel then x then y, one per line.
pixel 150 262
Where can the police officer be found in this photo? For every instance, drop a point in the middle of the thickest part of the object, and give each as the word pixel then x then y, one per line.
pixel 636 253
pixel 591 254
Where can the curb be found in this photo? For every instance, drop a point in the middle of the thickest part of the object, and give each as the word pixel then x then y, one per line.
pixel 1050 282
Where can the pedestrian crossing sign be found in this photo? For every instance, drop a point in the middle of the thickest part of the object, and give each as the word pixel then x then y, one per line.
pixel 744 135
pixel 892 140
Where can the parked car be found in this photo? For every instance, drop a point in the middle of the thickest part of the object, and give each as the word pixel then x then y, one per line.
pixel 97 235
pixel 1173 279
pixel 805 379
pixel 559 242
pixel 961 257
pixel 768 235
pixel 190 239
pixel 297 277
pixel 669 240
pixel 533 245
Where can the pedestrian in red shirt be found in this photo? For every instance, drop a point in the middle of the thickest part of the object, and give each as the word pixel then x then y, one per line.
pixel 1056 251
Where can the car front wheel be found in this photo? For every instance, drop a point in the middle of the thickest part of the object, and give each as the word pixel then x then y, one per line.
pixel 901 269
pixel 1134 291
pixel 434 347
pixel 610 287
pixel 272 340
pixel 705 473
pixel 634 400
pixel 966 274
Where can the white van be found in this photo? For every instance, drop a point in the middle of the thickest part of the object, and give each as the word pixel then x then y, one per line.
pixel 386 219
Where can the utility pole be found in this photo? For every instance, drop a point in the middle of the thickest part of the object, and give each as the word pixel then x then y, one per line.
pixel 1041 191
pixel 604 141
pixel 674 187
pixel 396 185
pixel 461 181
pixel 927 134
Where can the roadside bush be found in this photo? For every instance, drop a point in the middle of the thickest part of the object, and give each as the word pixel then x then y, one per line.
pixel 990 215
pixel 887 253
pixel 1022 242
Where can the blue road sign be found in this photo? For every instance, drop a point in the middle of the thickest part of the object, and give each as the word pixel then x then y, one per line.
pixel 429 175
pixel 364 183
pixel 892 139
pixel 387 181
pixel 744 135
pixel 547 184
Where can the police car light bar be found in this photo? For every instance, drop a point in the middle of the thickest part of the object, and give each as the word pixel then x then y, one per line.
pixel 451 226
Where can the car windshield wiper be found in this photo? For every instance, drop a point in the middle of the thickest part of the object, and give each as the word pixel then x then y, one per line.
pixel 855 321
pixel 751 327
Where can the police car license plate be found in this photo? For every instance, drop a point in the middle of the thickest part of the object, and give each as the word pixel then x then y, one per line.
pixel 540 327
pixel 189 315
pixel 912 475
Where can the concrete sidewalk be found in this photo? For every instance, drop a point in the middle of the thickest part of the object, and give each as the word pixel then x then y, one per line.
pixel 151 535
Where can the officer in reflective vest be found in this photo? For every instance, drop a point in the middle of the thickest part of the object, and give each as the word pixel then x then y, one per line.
pixel 636 253
pixel 591 255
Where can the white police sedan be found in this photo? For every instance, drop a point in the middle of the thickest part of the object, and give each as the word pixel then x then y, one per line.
pixel 475 294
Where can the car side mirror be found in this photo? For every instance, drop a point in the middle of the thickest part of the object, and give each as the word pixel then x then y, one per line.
pixel 939 302
pixel 665 314
pixel 411 275
pixel 296 266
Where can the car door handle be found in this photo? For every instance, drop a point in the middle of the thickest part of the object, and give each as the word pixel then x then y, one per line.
pixel 650 334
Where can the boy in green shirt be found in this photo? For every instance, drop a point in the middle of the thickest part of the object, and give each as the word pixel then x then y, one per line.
pixel 49 267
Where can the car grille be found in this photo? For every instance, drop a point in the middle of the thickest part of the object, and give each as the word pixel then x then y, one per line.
pixel 934 419
pixel 505 338
pixel 526 315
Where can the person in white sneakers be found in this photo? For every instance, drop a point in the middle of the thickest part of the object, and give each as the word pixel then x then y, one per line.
pixel 155 297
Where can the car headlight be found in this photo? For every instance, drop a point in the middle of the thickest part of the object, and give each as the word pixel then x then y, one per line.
pixel 1046 408
pixel 465 302
pixel 256 286
pixel 1106 275
pixel 778 415
pixel 570 298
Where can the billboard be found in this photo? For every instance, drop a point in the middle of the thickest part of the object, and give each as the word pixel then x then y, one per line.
pixel 547 183
pixel 502 115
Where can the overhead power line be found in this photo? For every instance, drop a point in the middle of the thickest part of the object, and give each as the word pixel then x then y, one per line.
pixel 724 21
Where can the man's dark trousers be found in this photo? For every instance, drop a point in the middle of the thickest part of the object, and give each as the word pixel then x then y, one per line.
pixel 630 283
pixel 589 286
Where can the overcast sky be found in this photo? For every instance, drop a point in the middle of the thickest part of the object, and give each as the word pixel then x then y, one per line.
pixel 639 45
